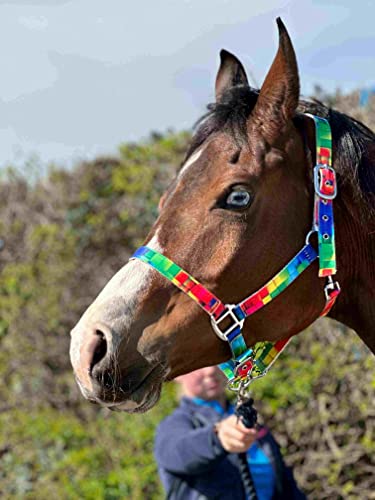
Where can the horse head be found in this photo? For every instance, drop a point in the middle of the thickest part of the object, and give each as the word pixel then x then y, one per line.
pixel 238 210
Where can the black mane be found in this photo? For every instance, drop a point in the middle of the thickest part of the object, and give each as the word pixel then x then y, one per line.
pixel 351 137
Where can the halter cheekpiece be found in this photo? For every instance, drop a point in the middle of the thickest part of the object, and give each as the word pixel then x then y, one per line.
pixel 227 320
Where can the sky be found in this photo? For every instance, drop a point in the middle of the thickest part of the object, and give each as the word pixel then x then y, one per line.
pixel 80 77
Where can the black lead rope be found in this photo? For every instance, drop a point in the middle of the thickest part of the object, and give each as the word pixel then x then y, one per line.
pixel 248 414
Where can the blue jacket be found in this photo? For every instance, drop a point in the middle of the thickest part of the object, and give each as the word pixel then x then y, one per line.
pixel 193 465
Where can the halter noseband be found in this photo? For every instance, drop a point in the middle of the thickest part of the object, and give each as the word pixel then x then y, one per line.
pixel 249 363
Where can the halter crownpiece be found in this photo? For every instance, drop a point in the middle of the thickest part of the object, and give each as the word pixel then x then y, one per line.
pixel 227 320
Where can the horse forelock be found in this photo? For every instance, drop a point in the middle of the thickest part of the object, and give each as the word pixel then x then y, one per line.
pixel 229 115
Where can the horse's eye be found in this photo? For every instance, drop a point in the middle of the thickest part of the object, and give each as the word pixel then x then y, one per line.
pixel 238 199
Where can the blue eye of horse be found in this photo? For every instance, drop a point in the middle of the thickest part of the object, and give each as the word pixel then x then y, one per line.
pixel 238 199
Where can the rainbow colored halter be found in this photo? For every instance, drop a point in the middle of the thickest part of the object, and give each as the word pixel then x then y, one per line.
pixel 249 363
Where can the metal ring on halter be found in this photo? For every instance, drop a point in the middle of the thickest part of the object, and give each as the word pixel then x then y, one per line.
pixel 235 322
pixel 309 234
pixel 239 385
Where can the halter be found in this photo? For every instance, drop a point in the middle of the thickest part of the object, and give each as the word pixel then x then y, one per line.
pixel 227 320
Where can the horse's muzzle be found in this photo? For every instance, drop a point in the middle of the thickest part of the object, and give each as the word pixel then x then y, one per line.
pixel 132 388
pixel 90 352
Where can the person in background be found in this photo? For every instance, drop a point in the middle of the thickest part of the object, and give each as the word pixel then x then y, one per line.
pixel 197 447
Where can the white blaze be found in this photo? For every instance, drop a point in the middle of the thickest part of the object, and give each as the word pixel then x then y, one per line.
pixel 130 279
pixel 193 158
pixel 119 294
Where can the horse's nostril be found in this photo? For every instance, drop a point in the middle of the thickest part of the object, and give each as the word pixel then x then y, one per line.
pixel 100 349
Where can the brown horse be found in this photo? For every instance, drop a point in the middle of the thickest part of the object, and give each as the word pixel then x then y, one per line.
pixel 238 210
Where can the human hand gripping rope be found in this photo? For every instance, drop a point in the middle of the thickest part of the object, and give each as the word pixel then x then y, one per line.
pixel 248 415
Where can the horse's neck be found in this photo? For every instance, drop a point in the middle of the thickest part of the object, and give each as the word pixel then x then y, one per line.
pixel 355 250
pixel 355 308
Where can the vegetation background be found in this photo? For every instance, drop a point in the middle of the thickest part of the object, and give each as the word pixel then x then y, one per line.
pixel 62 236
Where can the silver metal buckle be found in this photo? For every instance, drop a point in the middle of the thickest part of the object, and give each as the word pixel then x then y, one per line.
pixel 330 287
pixel 316 182
pixel 235 322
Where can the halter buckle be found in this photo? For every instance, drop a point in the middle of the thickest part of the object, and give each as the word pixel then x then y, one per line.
pixel 231 330
pixel 325 184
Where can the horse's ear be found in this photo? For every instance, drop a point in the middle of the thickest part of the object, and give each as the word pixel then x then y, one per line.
pixel 230 74
pixel 279 95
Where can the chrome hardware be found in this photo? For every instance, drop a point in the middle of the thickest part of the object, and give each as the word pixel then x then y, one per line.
pixel 239 385
pixel 317 182
pixel 235 322
pixel 309 234
pixel 330 287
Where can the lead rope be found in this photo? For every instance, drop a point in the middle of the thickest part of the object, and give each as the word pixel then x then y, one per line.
pixel 248 415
